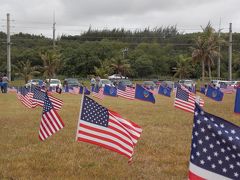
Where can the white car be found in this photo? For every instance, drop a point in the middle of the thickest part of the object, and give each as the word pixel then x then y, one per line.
pixel 104 82
pixel 117 76
pixel 32 82
pixel 55 83
pixel 187 82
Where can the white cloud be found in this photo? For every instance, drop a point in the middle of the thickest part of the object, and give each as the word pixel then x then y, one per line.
pixel 74 16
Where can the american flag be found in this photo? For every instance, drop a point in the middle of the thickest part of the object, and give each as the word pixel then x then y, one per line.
pixel 25 96
pixel 51 122
pixel 12 89
pixel 126 92
pixel 185 99
pixel 227 89
pixel 74 90
pixel 98 93
pixel 102 127
pixel 215 149
pixel 39 97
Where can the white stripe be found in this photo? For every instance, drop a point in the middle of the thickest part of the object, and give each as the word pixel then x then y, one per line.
pixel 43 132
pixel 127 123
pixel 105 143
pixel 54 124
pixel 41 136
pixel 130 138
pixel 56 118
pixel 185 103
pixel 126 130
pixel 203 173
pixel 107 129
pixel 49 124
pixel 45 126
pixel 106 136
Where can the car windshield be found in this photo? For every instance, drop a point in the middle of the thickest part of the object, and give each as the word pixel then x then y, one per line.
pixel 54 81
pixel 188 82
pixel 148 83
pixel 72 81
pixel 126 82
pixel 106 81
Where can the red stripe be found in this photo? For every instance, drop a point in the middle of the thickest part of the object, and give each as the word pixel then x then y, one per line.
pixel 44 129
pixel 48 127
pixel 103 145
pixel 182 105
pixel 58 117
pixel 187 110
pixel 127 134
pixel 192 176
pixel 50 121
pixel 106 140
pixel 108 133
pixel 134 125
pixel 40 132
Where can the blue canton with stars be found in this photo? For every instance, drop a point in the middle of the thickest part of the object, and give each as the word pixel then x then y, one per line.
pixel 39 95
pixel 93 112
pixel 215 144
pixel 47 104
pixel 181 94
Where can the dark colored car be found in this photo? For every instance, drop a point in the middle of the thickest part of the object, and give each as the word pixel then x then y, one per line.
pixel 156 81
pixel 149 84
pixel 124 82
pixel 168 84
pixel 73 82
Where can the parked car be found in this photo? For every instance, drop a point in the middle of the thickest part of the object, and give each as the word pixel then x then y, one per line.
pixel 149 84
pixel 33 82
pixel 73 82
pixel 54 83
pixel 156 81
pixel 168 84
pixel 187 82
pixel 104 82
pixel 221 83
pixel 124 82
pixel 235 83
pixel 117 76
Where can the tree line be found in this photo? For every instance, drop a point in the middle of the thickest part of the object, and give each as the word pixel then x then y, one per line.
pixel 147 53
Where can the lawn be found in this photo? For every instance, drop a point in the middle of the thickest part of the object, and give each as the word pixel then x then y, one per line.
pixel 162 151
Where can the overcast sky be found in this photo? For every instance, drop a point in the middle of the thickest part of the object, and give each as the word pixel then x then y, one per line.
pixel 75 16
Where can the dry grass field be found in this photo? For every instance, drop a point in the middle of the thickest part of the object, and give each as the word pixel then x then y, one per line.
pixel 162 151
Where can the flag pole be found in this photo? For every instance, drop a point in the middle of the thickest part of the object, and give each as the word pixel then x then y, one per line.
pixel 80 112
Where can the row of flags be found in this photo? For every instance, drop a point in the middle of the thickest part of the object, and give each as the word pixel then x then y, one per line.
pixel 97 124
pixel 215 149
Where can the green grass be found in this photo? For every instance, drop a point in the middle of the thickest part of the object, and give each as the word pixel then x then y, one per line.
pixel 162 151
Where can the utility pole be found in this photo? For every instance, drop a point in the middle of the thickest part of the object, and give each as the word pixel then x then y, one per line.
pixel 54 29
pixel 219 50
pixel 230 52
pixel 8 48
pixel 124 51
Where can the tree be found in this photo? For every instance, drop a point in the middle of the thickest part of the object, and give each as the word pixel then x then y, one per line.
pixel 120 66
pixel 183 67
pixel 206 50
pixel 103 70
pixel 25 70
pixel 51 62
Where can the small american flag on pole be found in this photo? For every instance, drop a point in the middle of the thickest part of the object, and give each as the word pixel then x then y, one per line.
pixel 100 126
pixel 51 122
pixel 98 93
pixel 185 99
pixel 39 97
pixel 126 92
